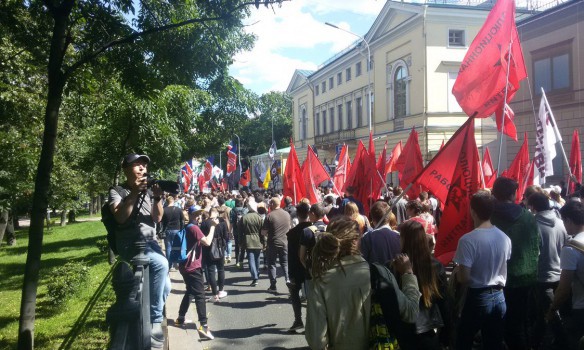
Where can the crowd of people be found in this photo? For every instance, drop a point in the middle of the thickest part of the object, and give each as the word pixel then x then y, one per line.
pixel 371 280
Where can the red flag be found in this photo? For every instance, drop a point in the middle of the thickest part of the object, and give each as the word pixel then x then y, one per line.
pixel 519 168
pixel 482 79
pixel 186 181
pixel 509 127
pixel 410 163
pixel 441 145
pixel 395 153
pixel 355 174
pixel 372 177
pixel 314 174
pixel 382 162
pixel 453 176
pixel 231 162
pixel 342 169
pixel 575 162
pixel 489 171
pixel 208 173
pixel 245 178
pixel 292 183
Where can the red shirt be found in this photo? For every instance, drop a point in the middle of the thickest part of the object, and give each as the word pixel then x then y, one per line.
pixel 194 236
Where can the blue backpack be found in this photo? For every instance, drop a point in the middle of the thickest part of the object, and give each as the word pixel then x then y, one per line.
pixel 178 253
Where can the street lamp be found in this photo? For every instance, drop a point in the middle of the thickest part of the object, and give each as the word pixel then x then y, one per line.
pixel 368 68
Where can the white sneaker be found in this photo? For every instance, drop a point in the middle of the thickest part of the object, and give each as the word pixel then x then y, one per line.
pixel 222 294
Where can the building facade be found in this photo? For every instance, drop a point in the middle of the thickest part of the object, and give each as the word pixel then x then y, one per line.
pixel 553 49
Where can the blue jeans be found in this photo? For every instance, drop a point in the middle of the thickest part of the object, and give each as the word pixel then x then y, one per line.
pixel 253 256
pixel 168 242
pixel 483 310
pixel 228 249
pixel 159 281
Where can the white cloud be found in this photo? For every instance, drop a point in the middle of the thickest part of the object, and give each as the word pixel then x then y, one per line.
pixel 297 24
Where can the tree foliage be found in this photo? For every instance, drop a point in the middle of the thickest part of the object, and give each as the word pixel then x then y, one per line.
pixel 111 76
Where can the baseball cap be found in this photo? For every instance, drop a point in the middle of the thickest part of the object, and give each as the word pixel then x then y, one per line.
pixel 193 208
pixel 132 157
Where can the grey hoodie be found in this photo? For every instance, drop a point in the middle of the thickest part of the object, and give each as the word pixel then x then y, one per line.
pixel 553 237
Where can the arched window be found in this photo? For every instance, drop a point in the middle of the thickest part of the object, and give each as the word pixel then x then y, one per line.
pixel 400 92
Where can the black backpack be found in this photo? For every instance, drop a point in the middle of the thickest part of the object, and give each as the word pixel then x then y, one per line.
pixel 109 221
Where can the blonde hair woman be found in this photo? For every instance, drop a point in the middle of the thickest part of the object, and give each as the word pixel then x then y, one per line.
pixel 339 305
pixel 352 212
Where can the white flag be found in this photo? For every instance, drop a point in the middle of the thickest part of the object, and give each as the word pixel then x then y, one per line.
pixel 546 136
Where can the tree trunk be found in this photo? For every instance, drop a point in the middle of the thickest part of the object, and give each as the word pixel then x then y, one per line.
pixel 3 224
pixel 56 83
pixel 10 235
pixel 63 217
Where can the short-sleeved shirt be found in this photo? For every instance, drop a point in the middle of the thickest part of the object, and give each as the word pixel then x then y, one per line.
pixel 571 259
pixel 485 252
pixel 144 216
pixel 277 223
pixel 194 236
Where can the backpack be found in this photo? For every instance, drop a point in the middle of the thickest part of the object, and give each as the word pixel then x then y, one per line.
pixel 386 292
pixel 317 231
pixel 178 252
pixel 235 218
pixel 109 221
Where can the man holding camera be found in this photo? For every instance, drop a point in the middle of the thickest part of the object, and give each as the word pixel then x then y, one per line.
pixel 136 210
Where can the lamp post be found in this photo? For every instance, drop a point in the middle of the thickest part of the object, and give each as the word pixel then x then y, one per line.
pixel 368 68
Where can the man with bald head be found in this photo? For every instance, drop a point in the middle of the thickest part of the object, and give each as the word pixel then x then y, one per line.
pixel 276 225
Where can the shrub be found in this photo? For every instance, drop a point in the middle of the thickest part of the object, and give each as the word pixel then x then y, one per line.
pixel 65 281
pixel 102 245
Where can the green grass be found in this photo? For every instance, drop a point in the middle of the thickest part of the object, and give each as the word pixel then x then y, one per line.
pixel 80 322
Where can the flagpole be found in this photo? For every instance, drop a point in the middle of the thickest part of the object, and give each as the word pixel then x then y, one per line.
pixel 504 104
pixel 482 173
pixel 556 131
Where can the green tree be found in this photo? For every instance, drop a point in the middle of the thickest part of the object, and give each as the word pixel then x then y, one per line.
pixel 273 108
pixel 182 42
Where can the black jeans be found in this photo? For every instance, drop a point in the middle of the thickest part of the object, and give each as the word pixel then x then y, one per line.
pixel 195 289
pixel 294 289
pixel 517 300
pixel 216 268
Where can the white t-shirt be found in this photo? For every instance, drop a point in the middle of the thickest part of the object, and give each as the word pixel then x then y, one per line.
pixel 572 259
pixel 485 251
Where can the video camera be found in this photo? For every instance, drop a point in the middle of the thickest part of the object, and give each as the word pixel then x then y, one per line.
pixel 167 186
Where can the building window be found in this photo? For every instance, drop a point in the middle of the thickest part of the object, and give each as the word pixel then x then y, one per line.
pixel 303 121
pixel 456 38
pixel 323 87
pixel 340 116
pixel 359 107
pixel 552 73
pixel 349 106
pixel 323 122
pixel 358 69
pixel 331 83
pixel 348 74
pixel 332 117
pixel 339 78
pixel 316 90
pixel 400 86
pixel 453 105
pixel 317 123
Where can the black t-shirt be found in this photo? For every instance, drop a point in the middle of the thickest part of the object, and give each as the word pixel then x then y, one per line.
pixel 295 267
pixel 221 233
pixel 172 218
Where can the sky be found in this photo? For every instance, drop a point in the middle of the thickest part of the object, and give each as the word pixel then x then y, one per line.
pixel 294 36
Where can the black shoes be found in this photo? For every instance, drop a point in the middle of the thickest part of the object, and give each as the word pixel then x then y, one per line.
pixel 254 283
pixel 297 325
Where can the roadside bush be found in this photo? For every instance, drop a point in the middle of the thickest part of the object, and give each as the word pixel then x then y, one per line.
pixel 102 245
pixel 66 281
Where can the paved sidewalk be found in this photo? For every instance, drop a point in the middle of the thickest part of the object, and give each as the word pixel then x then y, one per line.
pixel 181 337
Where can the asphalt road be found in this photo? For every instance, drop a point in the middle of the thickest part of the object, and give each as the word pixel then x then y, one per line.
pixel 251 317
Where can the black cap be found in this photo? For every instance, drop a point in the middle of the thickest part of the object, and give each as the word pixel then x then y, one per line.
pixel 132 157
